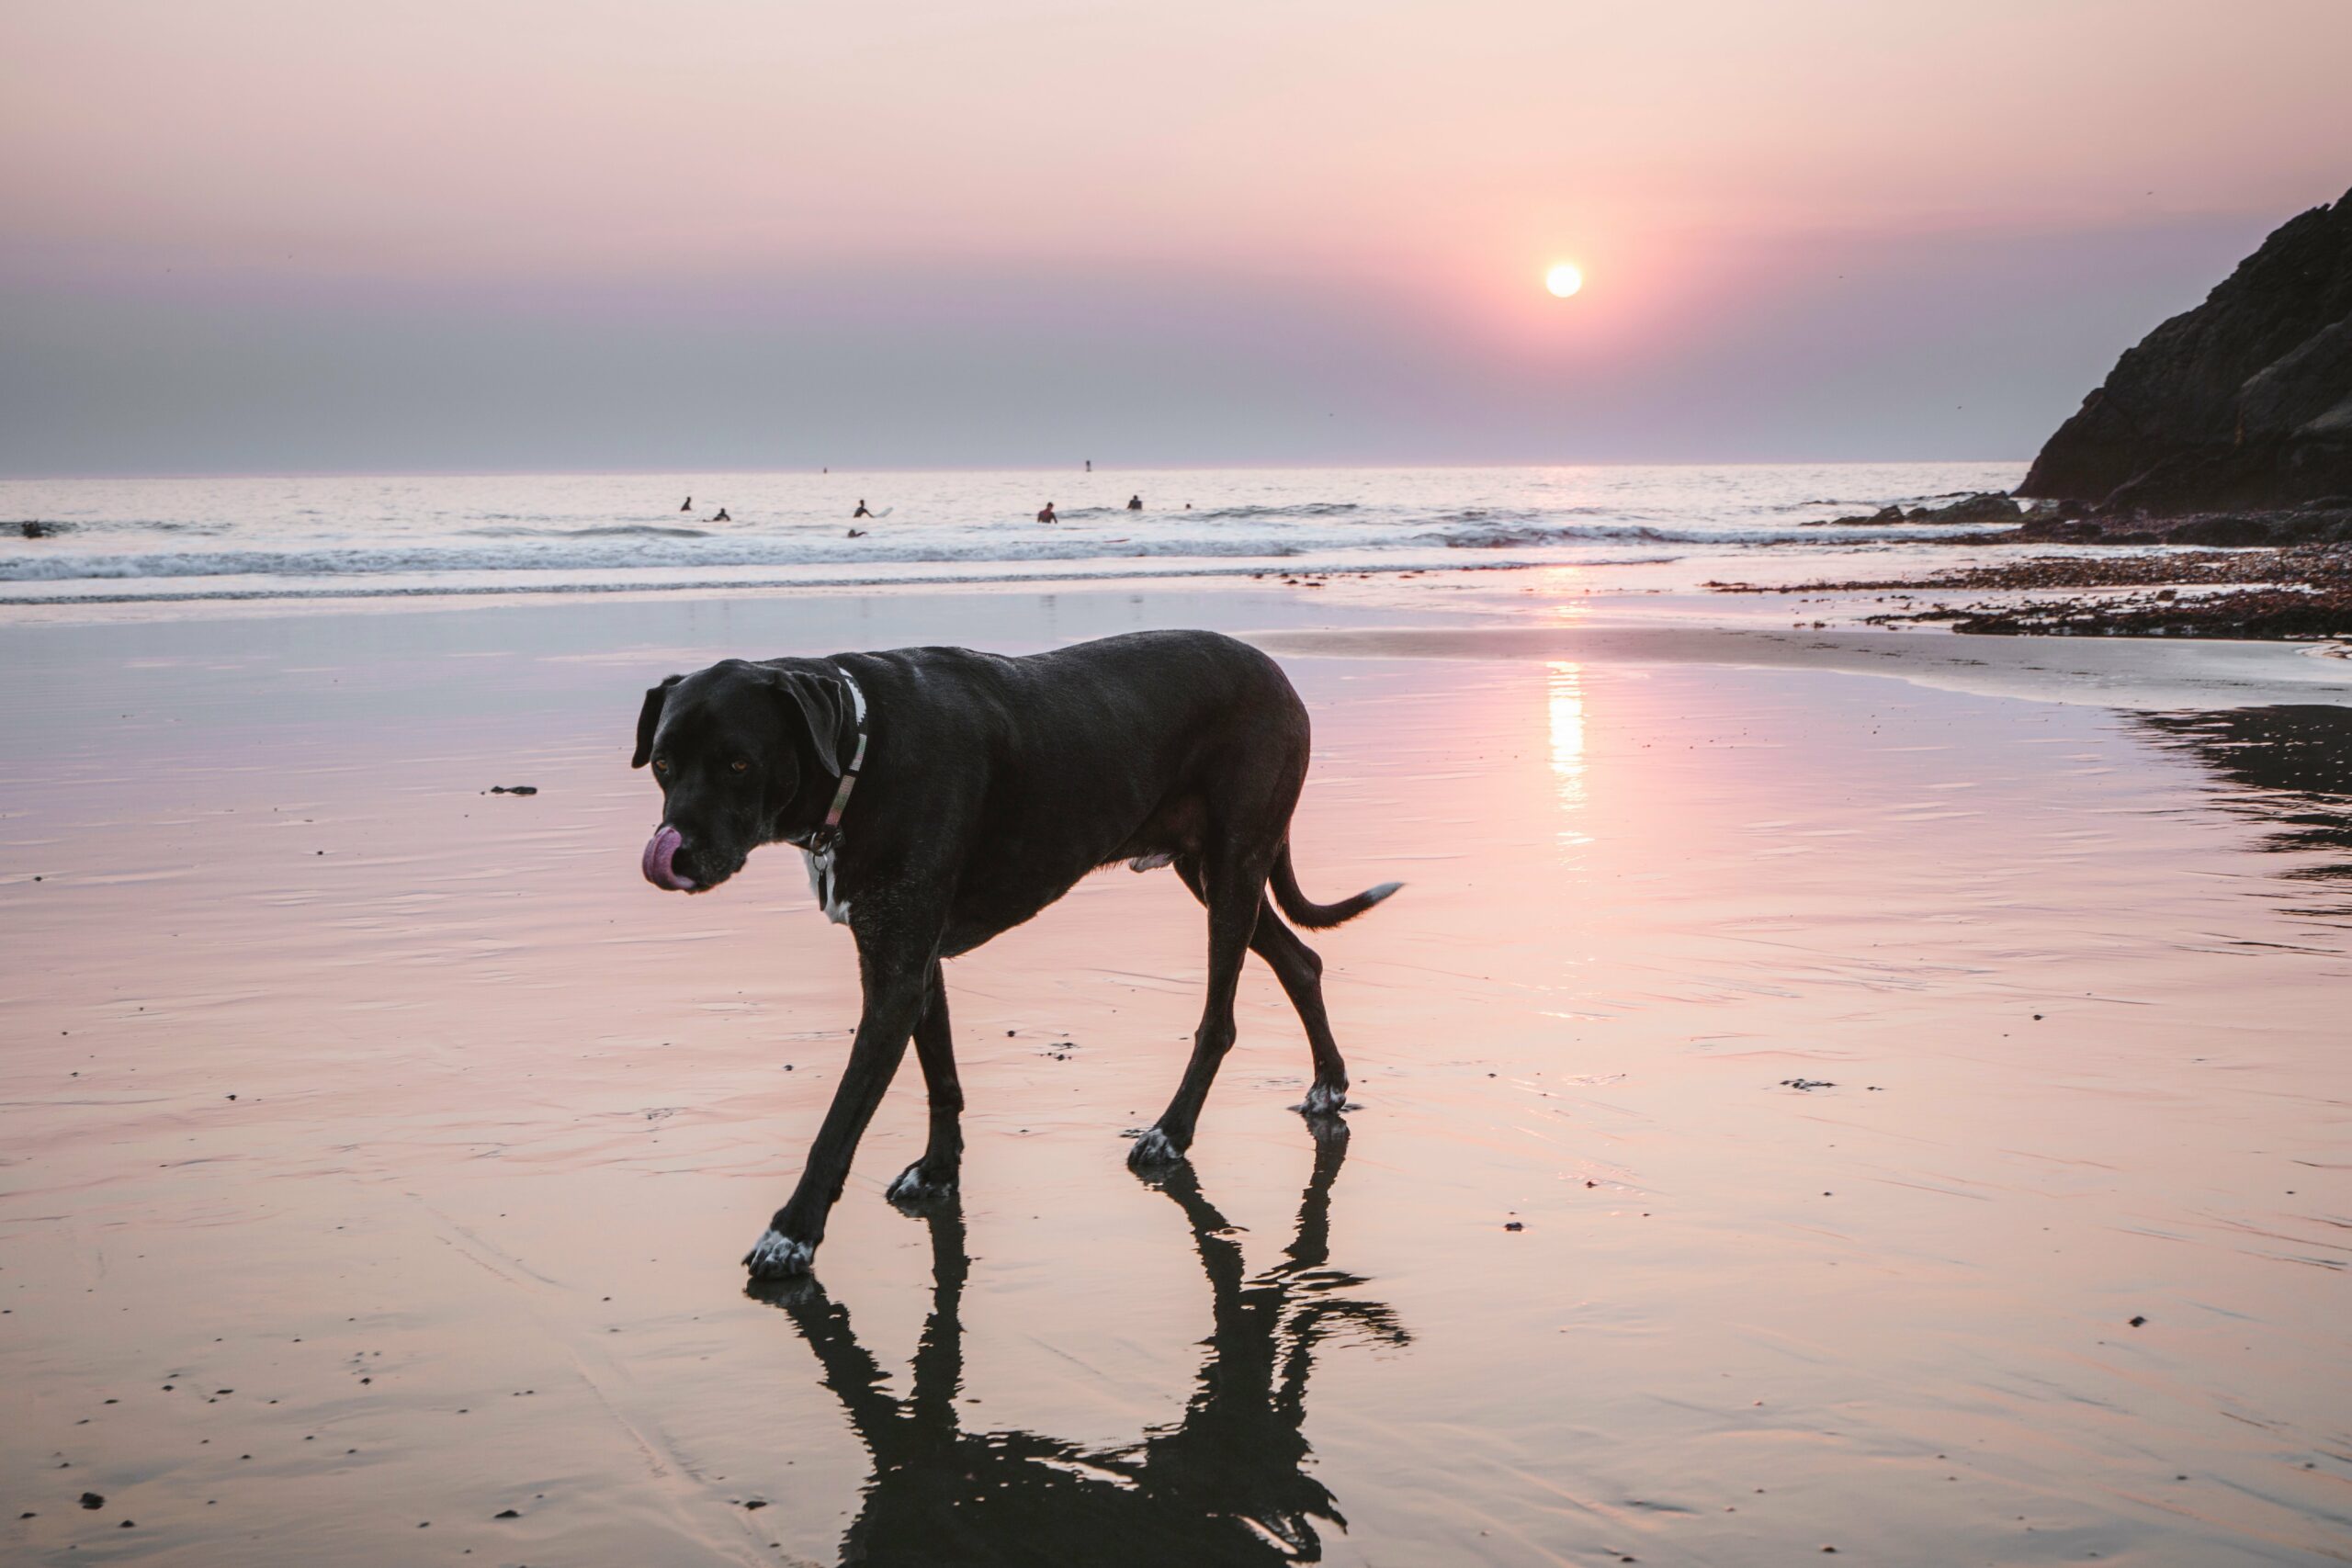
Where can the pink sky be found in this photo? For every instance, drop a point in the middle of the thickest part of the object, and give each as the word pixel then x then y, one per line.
pixel 278 193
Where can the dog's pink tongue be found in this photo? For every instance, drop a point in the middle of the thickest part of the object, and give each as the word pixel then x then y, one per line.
pixel 660 850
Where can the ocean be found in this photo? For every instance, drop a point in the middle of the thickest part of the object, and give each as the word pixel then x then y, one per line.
pixel 143 540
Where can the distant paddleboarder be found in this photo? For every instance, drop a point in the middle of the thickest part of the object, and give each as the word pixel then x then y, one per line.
pixel 1047 515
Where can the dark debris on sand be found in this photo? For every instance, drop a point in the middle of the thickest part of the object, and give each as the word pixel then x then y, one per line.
pixel 2298 592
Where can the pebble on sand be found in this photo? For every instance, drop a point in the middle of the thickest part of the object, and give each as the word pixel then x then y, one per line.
pixel 92 1500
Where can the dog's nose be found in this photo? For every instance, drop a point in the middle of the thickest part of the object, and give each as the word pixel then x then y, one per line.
pixel 660 864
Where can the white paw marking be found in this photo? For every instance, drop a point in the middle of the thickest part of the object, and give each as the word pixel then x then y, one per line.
pixel 1152 1147
pixel 1324 1101
pixel 908 1185
pixel 778 1257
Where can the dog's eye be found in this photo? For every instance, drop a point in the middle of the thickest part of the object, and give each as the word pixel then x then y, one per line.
pixel 661 764
pixel 742 766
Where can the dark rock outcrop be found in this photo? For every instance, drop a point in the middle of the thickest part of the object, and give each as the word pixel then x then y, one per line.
pixel 2244 402
pixel 1985 506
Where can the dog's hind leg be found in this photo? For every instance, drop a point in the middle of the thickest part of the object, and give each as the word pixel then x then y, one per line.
pixel 1234 893
pixel 935 1174
pixel 1300 970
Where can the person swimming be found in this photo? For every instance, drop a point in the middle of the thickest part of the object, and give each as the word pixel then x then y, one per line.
pixel 857 533
pixel 861 510
pixel 1047 515
pixel 1135 503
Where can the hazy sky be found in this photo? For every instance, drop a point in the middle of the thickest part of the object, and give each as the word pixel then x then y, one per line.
pixel 248 235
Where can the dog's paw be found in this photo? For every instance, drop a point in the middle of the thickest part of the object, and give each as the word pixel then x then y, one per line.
pixel 1153 1150
pixel 1325 1100
pixel 778 1257
pixel 915 1185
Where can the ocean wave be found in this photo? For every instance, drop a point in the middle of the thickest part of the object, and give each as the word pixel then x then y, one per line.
pixel 199 593
pixel 636 554
pixel 1535 535
pixel 600 531
pixel 639 548
pixel 1310 512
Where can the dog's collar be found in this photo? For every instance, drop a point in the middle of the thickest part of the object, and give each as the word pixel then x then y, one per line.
pixel 824 837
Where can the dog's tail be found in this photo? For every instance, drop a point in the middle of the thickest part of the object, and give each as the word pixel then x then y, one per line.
pixel 1313 915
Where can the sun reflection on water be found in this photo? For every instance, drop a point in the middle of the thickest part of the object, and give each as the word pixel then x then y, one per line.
pixel 1565 700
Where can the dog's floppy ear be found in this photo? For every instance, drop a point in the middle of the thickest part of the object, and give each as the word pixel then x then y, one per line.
pixel 823 709
pixel 649 719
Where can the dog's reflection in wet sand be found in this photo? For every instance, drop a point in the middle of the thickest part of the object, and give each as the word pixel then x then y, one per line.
pixel 1223 1484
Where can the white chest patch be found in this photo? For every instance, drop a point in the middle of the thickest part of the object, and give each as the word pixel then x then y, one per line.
pixel 820 883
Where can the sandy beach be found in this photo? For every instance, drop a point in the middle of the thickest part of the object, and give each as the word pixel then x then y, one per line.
pixel 1866 1090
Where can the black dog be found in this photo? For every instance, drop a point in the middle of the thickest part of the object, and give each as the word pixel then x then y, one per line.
pixel 944 796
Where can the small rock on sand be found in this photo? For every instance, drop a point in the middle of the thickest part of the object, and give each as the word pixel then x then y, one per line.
pixel 92 1500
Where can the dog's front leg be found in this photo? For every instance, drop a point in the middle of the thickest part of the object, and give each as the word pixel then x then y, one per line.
pixel 935 1175
pixel 894 973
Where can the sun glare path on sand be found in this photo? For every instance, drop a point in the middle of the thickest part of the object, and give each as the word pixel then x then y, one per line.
pixel 1564 280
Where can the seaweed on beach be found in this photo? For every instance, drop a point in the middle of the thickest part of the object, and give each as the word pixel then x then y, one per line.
pixel 2298 594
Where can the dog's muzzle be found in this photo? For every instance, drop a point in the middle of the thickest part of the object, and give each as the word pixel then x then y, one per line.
pixel 660 850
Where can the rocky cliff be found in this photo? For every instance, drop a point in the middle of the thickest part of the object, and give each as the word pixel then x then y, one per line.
pixel 2244 402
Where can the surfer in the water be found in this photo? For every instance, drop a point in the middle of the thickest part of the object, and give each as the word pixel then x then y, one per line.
pixel 722 516
pixel 1135 503
pixel 861 510
pixel 1047 515
pixel 686 505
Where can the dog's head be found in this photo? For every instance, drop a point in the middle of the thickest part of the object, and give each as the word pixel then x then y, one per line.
pixel 739 750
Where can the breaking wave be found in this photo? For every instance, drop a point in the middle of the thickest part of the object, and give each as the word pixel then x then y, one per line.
pixel 326 536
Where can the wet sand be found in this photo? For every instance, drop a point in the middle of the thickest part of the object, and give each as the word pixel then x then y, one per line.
pixel 1860 1057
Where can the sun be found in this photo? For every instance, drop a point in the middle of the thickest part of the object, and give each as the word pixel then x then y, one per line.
pixel 1564 280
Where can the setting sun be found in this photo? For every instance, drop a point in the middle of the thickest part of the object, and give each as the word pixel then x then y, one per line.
pixel 1564 280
